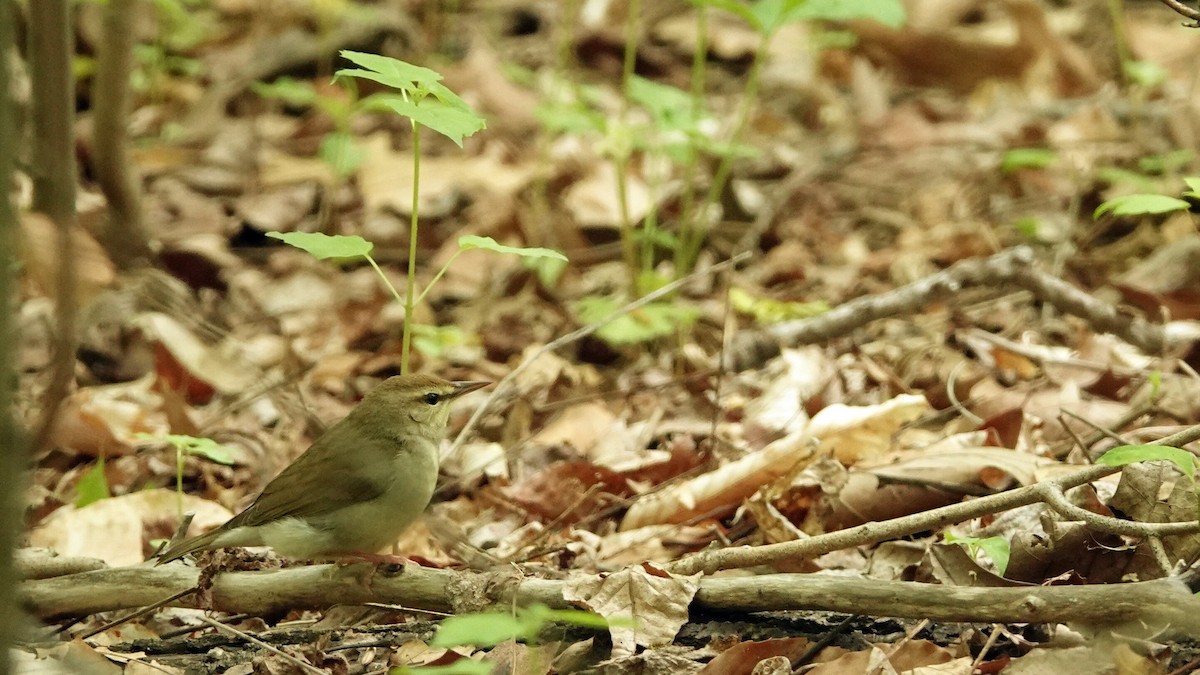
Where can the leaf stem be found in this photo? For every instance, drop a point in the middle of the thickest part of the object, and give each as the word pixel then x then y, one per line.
pixel 409 298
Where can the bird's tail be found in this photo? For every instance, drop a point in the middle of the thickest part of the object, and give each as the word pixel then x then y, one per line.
pixel 180 549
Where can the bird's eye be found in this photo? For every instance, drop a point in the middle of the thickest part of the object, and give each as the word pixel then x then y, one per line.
pixel 432 398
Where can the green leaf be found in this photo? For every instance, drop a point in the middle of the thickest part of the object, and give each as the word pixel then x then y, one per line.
pixel 291 91
pixel 426 101
pixel 450 121
pixel 1145 73
pixel 1129 454
pixel 385 70
pixel 202 447
pixel 341 153
pixel 1027 158
pixel 1117 176
pixel 208 449
pixel 1166 163
pixel 463 666
pixel 1193 183
pixel 670 107
pixel 568 118
pixel 471 241
pixel 997 549
pixel 92 485
pixel 733 7
pixel 547 270
pixel 770 15
pixel 888 12
pixel 576 617
pixel 768 310
pixel 323 246
pixel 1028 226
pixel 484 629
pixel 433 341
pixel 648 322
pixel 1140 204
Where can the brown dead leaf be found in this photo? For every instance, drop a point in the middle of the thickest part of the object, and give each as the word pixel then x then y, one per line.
pixel 385 178
pixel 1157 492
pixel 106 420
pixel 94 272
pixel 742 658
pixel 592 201
pixel 557 490
pixel 914 656
pixel 113 529
pixel 658 601
pixel 193 365
pixel 722 489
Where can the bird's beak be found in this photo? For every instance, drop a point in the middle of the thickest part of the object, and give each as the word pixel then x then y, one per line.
pixel 461 388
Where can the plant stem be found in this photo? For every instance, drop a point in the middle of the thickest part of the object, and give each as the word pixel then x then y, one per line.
pixel 438 276
pixel 725 167
pixel 386 281
pixel 1116 12
pixel 621 161
pixel 687 214
pixel 409 297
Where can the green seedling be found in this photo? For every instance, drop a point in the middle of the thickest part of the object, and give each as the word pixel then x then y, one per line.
pixel 767 311
pixel 766 17
pixel 488 629
pixel 648 322
pixel 1129 454
pixel 1027 158
pixel 427 103
pixel 1151 204
pixel 429 339
pixel 190 445
pixel 997 549
pixel 92 485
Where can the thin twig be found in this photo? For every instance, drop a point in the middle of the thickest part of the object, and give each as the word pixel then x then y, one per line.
pixel 271 648
pixel 873 532
pixel 140 612
pixel 1180 8
pixel 506 383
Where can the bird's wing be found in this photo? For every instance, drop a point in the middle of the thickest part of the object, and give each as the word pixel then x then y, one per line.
pixel 341 468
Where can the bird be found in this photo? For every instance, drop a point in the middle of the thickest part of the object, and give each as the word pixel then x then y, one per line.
pixel 357 487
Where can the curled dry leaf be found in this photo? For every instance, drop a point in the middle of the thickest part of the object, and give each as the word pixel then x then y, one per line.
pixel 798 374
pixel 658 600
pixel 218 366
pixel 856 433
pixel 106 420
pixel 723 488
pixel 848 433
pixel 580 426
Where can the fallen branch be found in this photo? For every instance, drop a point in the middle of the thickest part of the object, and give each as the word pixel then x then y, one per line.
pixel 1010 269
pixel 1162 603
pixel 874 532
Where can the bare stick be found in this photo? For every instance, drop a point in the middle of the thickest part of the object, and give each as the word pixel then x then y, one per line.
pixel 506 383
pixel 1155 602
pixel 868 533
pixel 1005 270
pixel 1193 14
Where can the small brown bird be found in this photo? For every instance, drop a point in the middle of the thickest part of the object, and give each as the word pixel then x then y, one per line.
pixel 358 486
